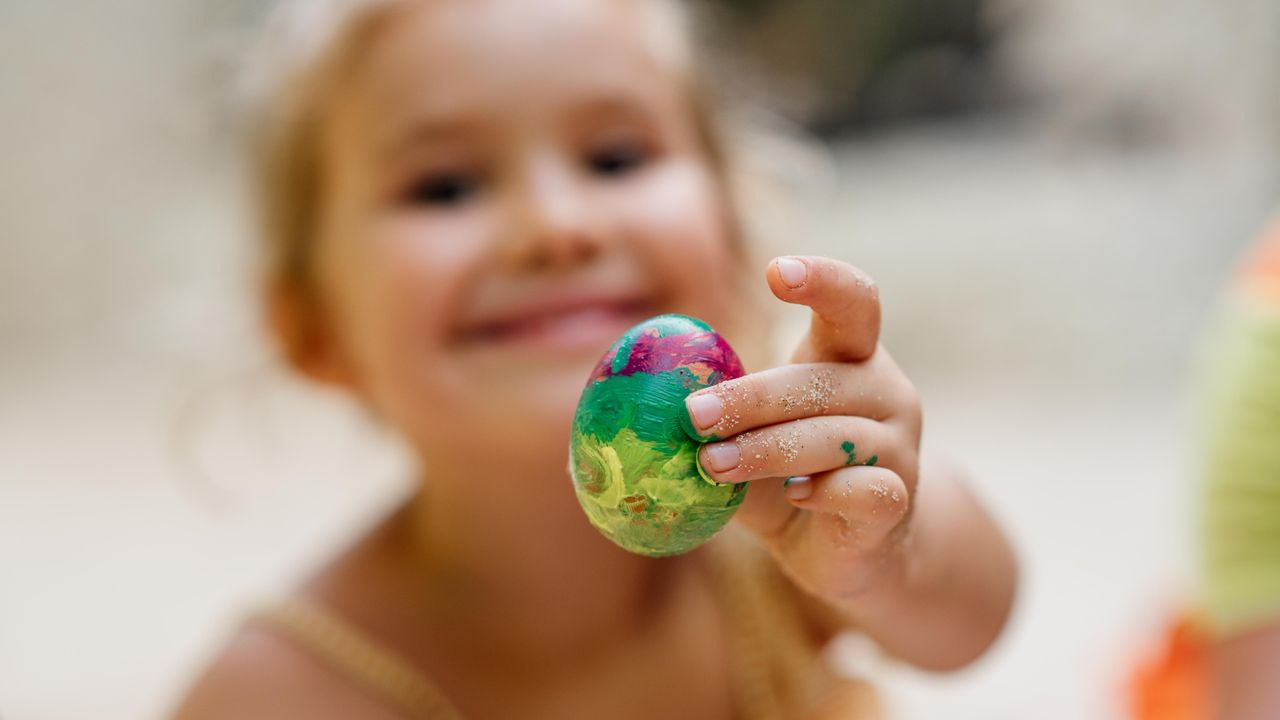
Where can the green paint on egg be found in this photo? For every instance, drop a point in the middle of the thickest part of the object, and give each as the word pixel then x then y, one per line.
pixel 633 453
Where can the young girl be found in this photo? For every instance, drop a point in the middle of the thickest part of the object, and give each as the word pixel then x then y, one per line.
pixel 467 202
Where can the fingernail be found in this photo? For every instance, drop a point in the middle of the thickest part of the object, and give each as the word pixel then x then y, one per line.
pixel 798 487
pixel 721 457
pixel 704 410
pixel 792 271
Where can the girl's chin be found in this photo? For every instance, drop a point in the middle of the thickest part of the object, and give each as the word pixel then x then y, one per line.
pixel 532 408
pixel 518 443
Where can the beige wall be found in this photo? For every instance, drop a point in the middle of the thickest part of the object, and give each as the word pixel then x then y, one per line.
pixel 116 204
pixel 114 219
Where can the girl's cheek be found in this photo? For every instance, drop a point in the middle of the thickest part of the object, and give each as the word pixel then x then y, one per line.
pixel 400 284
pixel 681 204
pixel 677 221
pixel 426 261
pixel 438 243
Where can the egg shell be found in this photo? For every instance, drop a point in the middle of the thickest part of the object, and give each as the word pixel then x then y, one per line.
pixel 633 455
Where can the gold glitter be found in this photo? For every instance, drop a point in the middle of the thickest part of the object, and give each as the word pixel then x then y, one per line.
pixel 789 445
pixel 789 401
pixel 755 448
pixel 732 397
pixel 814 398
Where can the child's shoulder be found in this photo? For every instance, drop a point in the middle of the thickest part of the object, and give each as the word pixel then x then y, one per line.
pixel 279 663
pixel 261 673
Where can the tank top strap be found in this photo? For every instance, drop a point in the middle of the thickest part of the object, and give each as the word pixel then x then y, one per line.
pixel 381 672
pixel 777 668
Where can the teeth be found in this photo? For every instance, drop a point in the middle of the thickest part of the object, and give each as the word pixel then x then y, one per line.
pixel 576 315
pixel 570 320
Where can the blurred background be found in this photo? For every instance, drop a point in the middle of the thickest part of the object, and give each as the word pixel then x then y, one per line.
pixel 1050 192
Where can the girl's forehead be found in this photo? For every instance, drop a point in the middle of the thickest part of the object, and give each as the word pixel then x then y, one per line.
pixel 465 57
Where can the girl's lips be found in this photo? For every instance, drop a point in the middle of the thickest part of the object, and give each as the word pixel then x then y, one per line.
pixel 588 323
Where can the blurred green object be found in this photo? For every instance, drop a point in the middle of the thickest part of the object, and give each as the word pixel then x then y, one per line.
pixel 852 64
pixel 1242 471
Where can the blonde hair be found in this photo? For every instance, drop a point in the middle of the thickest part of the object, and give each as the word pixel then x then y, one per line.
pixel 308 47
pixel 302 55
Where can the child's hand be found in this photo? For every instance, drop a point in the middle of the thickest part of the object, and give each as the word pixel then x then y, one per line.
pixel 842 422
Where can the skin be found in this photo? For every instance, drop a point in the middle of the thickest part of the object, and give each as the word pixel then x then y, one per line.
pixel 448 216
pixel 898 548
pixel 1245 676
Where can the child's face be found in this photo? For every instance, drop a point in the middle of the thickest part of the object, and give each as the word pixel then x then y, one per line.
pixel 509 185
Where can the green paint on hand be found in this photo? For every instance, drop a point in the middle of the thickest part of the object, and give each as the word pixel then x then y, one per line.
pixel 850 449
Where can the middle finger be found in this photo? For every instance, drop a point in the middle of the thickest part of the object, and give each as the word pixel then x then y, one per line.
pixel 795 391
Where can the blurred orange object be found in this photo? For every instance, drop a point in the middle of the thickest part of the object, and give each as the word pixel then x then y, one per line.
pixel 1260 271
pixel 1174 685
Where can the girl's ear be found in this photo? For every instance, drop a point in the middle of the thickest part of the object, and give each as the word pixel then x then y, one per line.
pixel 295 323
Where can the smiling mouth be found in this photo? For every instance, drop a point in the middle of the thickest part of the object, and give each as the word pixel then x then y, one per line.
pixel 592 323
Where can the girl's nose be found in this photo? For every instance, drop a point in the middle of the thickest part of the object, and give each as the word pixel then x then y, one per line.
pixel 555 225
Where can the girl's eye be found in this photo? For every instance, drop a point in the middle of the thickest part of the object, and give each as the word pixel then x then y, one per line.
pixel 443 190
pixel 617 161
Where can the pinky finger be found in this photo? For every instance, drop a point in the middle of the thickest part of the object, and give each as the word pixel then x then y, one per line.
pixel 850 513
pixel 862 503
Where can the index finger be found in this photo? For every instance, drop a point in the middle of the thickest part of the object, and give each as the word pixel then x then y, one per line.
pixel 845 303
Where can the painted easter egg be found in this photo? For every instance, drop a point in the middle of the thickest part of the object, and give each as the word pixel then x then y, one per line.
pixel 633 455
